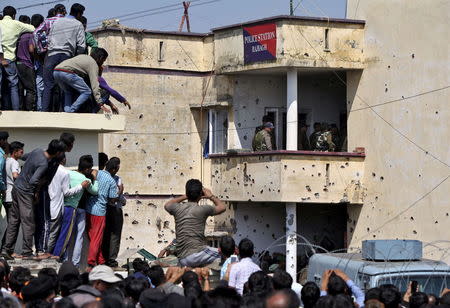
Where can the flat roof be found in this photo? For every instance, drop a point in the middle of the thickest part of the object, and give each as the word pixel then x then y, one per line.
pixel 238 25
pixel 290 17
pixel 136 30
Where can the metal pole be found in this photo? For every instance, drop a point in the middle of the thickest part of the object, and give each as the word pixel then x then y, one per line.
pixel 291 144
pixel 291 7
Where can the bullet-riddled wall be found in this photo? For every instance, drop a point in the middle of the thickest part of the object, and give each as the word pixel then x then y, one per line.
pixel 408 162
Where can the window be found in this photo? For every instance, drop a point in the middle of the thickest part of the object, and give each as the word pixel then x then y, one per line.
pixel 218 130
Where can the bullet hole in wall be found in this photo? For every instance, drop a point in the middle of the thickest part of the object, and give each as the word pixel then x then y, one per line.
pixel 177 149
pixel 373 174
pixel 412 56
pixel 134 222
pixel 119 146
pixel 411 218
pixel 141 116
pixel 414 232
pixel 125 139
pixel 381 178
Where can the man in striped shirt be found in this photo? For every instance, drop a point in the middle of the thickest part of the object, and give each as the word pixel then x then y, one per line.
pixel 96 210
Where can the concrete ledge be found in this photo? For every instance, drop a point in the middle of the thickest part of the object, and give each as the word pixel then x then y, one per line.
pixel 102 123
pixel 289 176
pixel 286 152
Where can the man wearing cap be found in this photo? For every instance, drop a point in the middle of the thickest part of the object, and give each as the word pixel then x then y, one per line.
pixel 3 144
pixel 101 278
pixel 263 139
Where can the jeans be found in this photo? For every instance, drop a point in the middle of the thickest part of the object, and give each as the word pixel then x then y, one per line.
pixel 27 82
pixel 9 73
pixel 39 85
pixel 71 83
pixel 80 223
pixel 49 83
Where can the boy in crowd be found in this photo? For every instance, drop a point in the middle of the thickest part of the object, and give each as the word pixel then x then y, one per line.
pixel 58 190
pixel 75 217
pixel 96 210
pixel 24 193
pixel 3 147
pixel 12 169
pixel 113 226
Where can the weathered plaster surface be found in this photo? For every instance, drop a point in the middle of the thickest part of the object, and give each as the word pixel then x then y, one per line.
pixel 285 178
pixel 406 54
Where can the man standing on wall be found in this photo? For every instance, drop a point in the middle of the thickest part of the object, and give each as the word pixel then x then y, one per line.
pixel 65 40
pixel 11 30
pixel 24 193
pixel 190 220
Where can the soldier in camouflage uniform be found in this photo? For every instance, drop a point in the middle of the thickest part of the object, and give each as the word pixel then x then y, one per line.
pixel 314 136
pixel 263 139
pixel 325 140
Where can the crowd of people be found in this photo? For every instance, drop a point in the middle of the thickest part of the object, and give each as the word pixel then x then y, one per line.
pixel 325 137
pixel 55 206
pixel 45 64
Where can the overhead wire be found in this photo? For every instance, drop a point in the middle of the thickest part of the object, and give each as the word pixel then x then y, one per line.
pixel 40 4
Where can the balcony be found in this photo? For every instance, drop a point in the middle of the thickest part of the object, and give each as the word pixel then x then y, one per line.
pixel 289 176
pixel 297 42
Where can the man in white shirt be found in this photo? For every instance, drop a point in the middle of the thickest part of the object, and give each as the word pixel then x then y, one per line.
pixel 241 271
pixel 12 169
pixel 58 189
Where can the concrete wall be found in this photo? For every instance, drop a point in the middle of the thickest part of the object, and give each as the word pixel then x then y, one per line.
pixel 160 147
pixel 300 43
pixel 179 52
pixel 85 142
pixel 288 178
pixel 406 50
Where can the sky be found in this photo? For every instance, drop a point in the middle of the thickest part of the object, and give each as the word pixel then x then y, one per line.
pixel 204 14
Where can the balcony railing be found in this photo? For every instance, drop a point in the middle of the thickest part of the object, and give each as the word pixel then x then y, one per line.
pixel 289 176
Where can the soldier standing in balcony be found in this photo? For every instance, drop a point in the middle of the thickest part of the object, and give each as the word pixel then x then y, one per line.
pixel 315 135
pixel 263 139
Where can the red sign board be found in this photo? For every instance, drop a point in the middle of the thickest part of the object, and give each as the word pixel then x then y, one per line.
pixel 260 43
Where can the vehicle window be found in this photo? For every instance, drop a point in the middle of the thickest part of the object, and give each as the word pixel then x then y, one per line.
pixel 428 284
